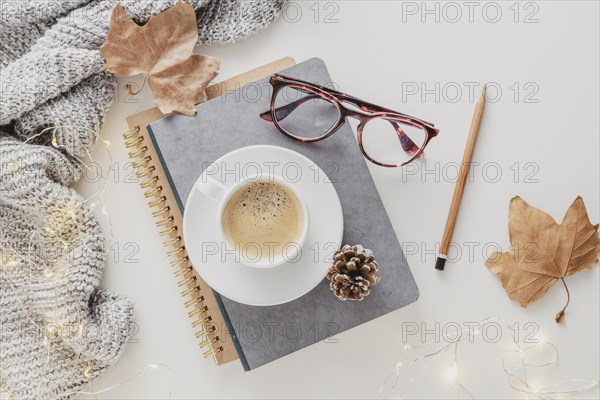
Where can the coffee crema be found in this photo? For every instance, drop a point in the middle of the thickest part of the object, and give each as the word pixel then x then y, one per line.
pixel 262 220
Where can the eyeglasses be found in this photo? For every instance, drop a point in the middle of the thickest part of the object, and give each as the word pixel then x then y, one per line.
pixel 307 112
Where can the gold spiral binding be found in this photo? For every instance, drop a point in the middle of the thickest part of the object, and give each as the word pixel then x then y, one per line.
pixel 202 321
pixel 208 342
pixel 142 162
pixel 156 202
pixel 172 241
pixel 161 211
pixel 212 352
pixel 129 134
pixel 189 291
pixel 205 331
pixel 183 271
pixel 134 142
pixel 198 311
pixel 168 231
pixel 180 261
pixel 165 221
pixel 153 192
pixel 187 281
pixel 177 250
pixel 139 152
pixel 146 172
pixel 193 301
pixel 149 182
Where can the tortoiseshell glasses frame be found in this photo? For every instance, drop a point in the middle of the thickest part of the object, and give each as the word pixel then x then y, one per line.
pixel 362 110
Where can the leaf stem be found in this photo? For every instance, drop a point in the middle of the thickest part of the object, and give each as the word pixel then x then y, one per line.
pixel 129 88
pixel 560 316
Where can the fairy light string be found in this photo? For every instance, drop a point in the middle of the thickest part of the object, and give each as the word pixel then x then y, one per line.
pixel 130 379
pixel 517 376
pixel 51 328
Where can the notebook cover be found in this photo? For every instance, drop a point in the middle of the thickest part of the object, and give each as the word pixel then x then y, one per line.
pixel 186 145
pixel 198 297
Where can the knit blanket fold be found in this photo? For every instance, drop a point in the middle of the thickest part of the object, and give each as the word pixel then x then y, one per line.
pixel 58 329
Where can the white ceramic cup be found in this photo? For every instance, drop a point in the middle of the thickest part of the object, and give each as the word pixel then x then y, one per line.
pixel 221 194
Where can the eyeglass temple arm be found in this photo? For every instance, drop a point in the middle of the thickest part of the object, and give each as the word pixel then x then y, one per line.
pixel 345 96
pixel 283 111
pixel 355 100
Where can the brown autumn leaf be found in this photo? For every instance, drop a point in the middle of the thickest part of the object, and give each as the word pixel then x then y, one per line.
pixel 543 251
pixel 162 50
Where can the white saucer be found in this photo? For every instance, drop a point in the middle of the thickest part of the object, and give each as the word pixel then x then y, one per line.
pixel 277 285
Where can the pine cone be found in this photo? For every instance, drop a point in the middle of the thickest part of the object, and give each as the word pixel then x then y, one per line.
pixel 353 272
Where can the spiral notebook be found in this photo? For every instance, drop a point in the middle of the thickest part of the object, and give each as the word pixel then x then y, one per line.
pixel 171 153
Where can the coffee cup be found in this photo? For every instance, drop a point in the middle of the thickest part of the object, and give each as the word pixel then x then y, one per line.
pixel 263 219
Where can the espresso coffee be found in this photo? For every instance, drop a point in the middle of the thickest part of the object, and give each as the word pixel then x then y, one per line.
pixel 262 219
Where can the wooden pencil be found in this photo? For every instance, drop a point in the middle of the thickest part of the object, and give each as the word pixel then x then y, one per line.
pixel 461 182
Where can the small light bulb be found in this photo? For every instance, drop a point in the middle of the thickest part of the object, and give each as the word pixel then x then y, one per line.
pixel 107 143
pixel 451 373
pixel 7 261
pixel 407 347
pixel 399 365
pixel 104 211
pixel 78 330
pixel 53 331
pixel 6 395
pixel 541 340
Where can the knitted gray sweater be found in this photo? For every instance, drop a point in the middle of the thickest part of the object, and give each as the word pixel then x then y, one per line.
pixel 58 330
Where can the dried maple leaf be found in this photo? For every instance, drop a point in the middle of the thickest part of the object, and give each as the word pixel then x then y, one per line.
pixel 162 51
pixel 543 251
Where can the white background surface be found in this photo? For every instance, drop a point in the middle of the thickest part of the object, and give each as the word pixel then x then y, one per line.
pixel 372 53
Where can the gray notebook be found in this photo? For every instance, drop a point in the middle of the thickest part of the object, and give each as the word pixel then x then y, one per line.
pixel 186 145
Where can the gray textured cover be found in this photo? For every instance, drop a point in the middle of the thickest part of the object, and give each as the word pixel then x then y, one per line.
pixel 263 334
